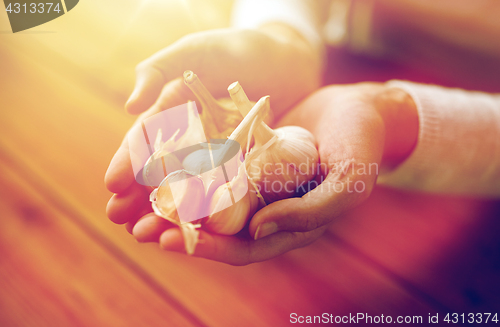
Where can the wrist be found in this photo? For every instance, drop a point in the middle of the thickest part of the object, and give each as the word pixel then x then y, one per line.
pixel 400 116
pixel 288 35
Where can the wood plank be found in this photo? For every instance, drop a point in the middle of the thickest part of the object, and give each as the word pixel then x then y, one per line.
pixel 319 278
pixel 444 247
pixel 62 147
pixel 53 274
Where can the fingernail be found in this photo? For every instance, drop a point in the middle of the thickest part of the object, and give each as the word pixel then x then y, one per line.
pixel 265 229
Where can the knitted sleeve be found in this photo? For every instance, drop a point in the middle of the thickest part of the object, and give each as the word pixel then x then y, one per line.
pixel 458 148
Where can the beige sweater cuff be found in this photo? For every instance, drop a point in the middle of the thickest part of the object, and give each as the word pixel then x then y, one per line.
pixel 458 148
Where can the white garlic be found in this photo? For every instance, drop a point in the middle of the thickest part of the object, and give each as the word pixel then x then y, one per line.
pixel 231 206
pixel 282 159
pixel 179 197
pixel 219 117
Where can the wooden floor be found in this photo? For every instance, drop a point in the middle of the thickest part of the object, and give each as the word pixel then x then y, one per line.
pixel 63 263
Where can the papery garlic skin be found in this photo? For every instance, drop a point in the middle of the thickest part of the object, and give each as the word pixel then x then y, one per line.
pixel 281 160
pixel 193 134
pixel 179 198
pixel 231 206
pixel 162 162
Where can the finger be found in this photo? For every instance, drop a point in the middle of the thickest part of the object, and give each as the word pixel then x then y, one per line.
pixel 150 227
pixel 239 251
pixel 120 174
pixel 337 194
pixel 173 94
pixel 153 73
pixel 123 207
pixel 148 85
pixel 129 225
pixel 350 135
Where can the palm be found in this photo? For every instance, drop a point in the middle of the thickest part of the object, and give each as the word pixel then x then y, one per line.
pixel 261 63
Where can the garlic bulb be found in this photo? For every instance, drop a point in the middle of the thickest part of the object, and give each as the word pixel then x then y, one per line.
pixel 219 117
pixel 282 159
pixel 231 206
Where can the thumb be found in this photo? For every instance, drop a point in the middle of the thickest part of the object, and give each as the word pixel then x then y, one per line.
pixel 148 85
pixel 153 73
pixel 330 199
pixel 174 93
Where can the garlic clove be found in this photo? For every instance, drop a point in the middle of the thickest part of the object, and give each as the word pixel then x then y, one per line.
pixel 188 193
pixel 163 204
pixel 231 206
pixel 282 159
pixel 179 197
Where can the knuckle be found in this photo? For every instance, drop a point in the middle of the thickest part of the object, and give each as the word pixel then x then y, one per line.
pixel 142 66
pixel 311 223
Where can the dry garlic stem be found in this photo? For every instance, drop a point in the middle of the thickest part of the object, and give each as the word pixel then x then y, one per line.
pixel 233 203
pixel 219 163
pixel 219 117
pixel 242 131
pixel 263 132
pixel 281 159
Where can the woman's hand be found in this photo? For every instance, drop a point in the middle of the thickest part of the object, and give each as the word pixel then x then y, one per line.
pixel 360 129
pixel 273 60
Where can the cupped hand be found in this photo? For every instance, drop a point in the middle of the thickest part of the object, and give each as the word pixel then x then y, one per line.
pixel 360 129
pixel 273 60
